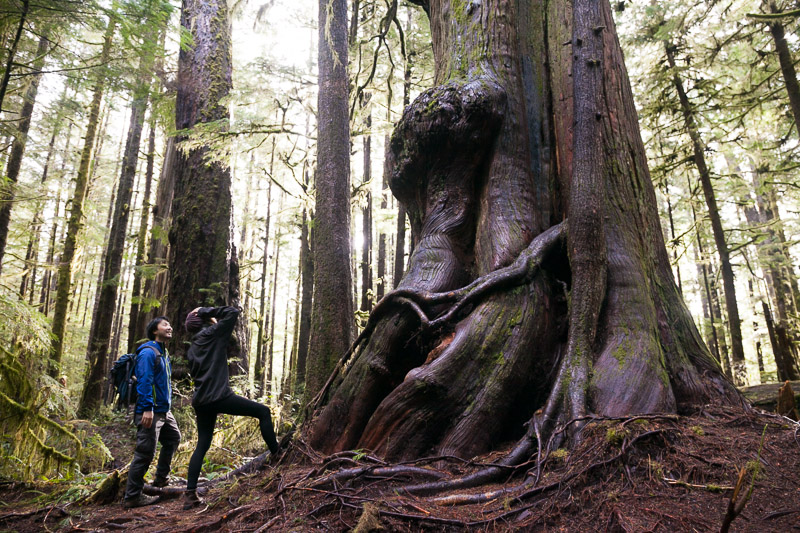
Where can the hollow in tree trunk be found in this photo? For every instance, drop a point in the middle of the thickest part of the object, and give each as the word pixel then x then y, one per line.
pixel 539 288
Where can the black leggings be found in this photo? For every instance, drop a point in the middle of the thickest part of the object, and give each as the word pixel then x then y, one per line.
pixel 207 419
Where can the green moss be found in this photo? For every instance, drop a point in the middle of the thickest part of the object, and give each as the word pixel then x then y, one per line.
pixel 615 437
pixel 697 430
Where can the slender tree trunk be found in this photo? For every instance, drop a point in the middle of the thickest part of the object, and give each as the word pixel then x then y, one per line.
pixel 102 321
pixel 366 225
pixel 8 184
pixel 32 253
pixel 270 349
pixel 141 242
pixel 12 52
pixel 787 65
pixel 734 322
pixel 307 277
pixel 156 286
pixel 261 340
pixel 75 221
pixel 332 315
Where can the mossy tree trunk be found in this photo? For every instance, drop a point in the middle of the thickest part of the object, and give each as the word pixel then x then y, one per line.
pixel 332 303
pixel 540 288
pixel 9 180
pixel 203 265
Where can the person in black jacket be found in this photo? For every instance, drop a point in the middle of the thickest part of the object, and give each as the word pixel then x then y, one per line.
pixel 208 364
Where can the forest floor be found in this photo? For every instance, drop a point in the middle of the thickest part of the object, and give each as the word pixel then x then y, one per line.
pixel 658 474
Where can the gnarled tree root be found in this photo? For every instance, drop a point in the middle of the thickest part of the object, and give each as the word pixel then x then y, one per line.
pixel 517 273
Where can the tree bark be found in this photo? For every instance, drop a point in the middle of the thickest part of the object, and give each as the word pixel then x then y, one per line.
pixel 32 252
pixel 505 317
pixel 156 285
pixel 12 52
pixel 203 266
pixel 307 277
pixel 8 184
pixel 141 243
pixel 787 65
pixel 75 222
pixel 734 322
pixel 366 223
pixel 332 304
pixel 263 321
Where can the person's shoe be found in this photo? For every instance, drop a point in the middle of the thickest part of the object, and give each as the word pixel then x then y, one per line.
pixel 160 482
pixel 139 501
pixel 191 500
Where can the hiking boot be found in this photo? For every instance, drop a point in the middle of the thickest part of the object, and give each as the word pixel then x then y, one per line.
pixel 139 501
pixel 160 482
pixel 191 500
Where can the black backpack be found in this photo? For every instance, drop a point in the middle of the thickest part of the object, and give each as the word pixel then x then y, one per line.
pixel 123 378
pixel 124 381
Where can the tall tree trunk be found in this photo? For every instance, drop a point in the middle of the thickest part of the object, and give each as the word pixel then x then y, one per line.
pixel 47 285
pixel 263 321
pixel 488 164
pixel 203 265
pixel 734 322
pixel 75 221
pixel 12 52
pixel 270 349
pixel 307 277
pixel 771 258
pixel 102 321
pixel 156 286
pixel 787 65
pixel 8 184
pixel 366 223
pixel 141 242
pixel 32 252
pixel 332 312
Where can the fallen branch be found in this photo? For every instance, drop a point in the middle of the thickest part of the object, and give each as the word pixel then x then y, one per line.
pixel 34 512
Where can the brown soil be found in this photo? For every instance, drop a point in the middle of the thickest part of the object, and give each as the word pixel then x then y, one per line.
pixel 659 474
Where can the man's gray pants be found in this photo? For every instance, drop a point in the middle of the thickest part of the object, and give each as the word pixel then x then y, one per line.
pixel 164 429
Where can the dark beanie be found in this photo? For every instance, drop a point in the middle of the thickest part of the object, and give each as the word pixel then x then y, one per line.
pixel 193 323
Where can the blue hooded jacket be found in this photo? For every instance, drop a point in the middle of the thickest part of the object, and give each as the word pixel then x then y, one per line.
pixel 153 372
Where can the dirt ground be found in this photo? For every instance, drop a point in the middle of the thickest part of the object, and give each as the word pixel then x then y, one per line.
pixel 658 474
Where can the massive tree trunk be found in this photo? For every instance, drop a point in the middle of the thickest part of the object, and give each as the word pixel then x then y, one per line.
pixel 332 307
pixel 203 266
pixel 8 182
pixel 75 221
pixel 540 287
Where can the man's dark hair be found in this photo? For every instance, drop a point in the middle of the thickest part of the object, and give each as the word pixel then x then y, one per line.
pixel 152 325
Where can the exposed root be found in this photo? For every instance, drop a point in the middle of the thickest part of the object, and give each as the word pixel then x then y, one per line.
pixel 519 272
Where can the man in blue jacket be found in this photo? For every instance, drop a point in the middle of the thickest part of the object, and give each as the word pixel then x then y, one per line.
pixel 152 417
